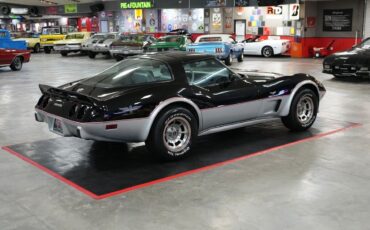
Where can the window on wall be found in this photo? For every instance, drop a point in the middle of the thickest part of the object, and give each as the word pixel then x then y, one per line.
pixel 189 19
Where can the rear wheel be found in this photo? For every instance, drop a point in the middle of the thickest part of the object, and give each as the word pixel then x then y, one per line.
pixel 172 134
pixel 228 60
pixel 47 50
pixel 16 64
pixel 241 57
pixel 64 53
pixel 303 111
pixel 267 51
pixel 36 48
pixel 92 55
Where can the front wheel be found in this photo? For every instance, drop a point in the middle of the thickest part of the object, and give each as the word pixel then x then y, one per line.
pixel 241 57
pixel 172 134
pixel 228 60
pixel 118 58
pixel 47 50
pixel 92 55
pixel 303 111
pixel 64 53
pixel 16 64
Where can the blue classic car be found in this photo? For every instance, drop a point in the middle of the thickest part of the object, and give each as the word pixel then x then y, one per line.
pixel 7 43
pixel 223 46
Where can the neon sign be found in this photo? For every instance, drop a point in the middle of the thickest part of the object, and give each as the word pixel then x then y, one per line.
pixel 136 5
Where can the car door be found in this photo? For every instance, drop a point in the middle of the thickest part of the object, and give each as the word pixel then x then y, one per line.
pixel 224 96
pixel 6 56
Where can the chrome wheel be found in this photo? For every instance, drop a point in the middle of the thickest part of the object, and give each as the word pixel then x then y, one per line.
pixel 267 52
pixel 305 110
pixel 177 134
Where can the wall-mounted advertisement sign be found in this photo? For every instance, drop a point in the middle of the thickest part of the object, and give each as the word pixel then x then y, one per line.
pixel 137 5
pixel 215 3
pixel 273 12
pixel 294 11
pixel 242 3
pixel 70 8
pixel 19 11
pixel 338 20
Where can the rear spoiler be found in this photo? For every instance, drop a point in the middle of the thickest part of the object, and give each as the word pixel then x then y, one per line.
pixel 46 89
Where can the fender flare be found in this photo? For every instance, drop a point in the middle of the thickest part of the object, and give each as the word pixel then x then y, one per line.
pixel 163 104
pixel 285 110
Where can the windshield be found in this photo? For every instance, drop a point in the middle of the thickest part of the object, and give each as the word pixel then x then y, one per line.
pixel 130 72
pixel 365 44
pixel 51 30
pixel 133 38
pixel 75 36
pixel 170 39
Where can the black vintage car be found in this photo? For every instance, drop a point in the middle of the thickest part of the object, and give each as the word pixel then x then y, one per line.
pixel 352 63
pixel 168 99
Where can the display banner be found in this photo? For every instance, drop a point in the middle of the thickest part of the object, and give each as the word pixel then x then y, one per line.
pixel 137 5
pixel 294 11
pixel 70 8
pixel 338 20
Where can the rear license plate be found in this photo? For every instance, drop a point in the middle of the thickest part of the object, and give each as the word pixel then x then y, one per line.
pixel 57 126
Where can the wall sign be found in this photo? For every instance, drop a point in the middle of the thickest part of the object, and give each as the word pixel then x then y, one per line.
pixel 294 12
pixel 338 20
pixel 136 5
pixel 70 8
pixel 275 10
pixel 19 11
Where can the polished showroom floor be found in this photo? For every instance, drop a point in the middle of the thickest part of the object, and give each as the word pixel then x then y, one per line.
pixel 322 183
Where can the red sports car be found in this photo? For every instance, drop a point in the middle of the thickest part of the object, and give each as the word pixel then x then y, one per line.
pixel 14 58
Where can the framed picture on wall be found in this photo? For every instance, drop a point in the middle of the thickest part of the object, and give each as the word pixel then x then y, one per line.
pixel 338 20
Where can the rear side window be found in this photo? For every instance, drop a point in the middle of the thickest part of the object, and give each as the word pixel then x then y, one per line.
pixel 206 73
pixel 210 39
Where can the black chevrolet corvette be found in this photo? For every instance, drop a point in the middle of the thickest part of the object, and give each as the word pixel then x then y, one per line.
pixel 352 63
pixel 168 99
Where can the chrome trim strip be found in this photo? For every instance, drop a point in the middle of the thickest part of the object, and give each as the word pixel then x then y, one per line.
pixel 237 125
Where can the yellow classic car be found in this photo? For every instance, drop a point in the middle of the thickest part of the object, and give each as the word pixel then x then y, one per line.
pixel 51 34
pixel 32 40
pixel 71 43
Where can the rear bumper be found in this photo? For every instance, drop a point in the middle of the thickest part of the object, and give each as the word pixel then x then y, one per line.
pixel 129 130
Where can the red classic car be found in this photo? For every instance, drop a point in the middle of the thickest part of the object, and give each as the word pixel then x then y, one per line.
pixel 14 58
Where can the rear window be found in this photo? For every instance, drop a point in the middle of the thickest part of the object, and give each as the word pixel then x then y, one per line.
pixel 130 72
pixel 98 36
pixel 210 39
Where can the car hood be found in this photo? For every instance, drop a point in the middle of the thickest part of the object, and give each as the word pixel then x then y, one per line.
pixel 353 56
pixel 258 76
pixel 69 41
pixel 133 44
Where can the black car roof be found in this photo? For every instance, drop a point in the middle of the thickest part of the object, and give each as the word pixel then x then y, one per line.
pixel 173 57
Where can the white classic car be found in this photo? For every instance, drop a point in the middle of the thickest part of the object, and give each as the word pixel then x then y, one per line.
pixel 266 48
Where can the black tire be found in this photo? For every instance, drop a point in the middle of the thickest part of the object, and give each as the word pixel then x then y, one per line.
pixel 47 50
pixel 228 60
pixel 241 57
pixel 338 76
pixel 118 58
pixel 16 64
pixel 267 51
pixel 64 53
pixel 92 55
pixel 159 141
pixel 293 121
pixel 36 48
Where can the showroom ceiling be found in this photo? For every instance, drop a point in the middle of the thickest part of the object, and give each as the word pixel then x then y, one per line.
pixel 45 2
